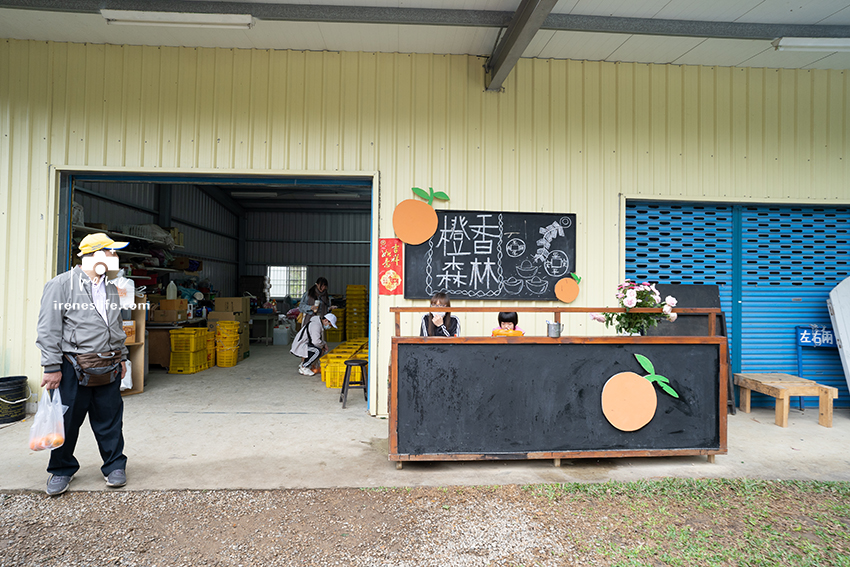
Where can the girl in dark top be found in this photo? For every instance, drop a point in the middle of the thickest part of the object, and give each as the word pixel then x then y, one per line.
pixel 440 322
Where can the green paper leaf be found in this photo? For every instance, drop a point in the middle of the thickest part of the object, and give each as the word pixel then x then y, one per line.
pixel 440 195
pixel 575 277
pixel 660 378
pixel 647 365
pixel 421 193
pixel 668 389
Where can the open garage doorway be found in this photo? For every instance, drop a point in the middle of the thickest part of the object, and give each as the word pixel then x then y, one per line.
pixel 222 234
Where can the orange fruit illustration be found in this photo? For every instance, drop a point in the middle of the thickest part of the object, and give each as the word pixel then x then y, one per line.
pixel 566 289
pixel 414 221
pixel 628 401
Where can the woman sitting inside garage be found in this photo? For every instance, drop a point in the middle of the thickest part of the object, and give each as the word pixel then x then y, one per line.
pixel 310 342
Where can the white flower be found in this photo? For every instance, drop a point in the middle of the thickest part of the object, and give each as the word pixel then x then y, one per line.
pixel 670 300
pixel 631 294
pixel 667 309
pixel 630 302
pixel 672 317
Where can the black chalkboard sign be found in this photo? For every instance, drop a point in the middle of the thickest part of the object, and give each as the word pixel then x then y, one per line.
pixel 503 401
pixel 492 255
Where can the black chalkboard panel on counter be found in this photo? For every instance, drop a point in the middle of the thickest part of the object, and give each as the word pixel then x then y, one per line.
pixel 507 401
pixel 492 255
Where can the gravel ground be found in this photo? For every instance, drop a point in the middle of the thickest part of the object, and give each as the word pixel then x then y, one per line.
pixel 665 522
pixel 399 527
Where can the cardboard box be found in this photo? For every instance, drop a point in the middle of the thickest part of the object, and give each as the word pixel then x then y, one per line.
pixel 215 316
pixel 130 331
pixel 187 264
pixel 174 304
pixel 242 304
pixel 168 315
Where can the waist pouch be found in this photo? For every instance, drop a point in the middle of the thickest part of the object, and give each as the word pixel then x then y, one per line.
pixel 96 369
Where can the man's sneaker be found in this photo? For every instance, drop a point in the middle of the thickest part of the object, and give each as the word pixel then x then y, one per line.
pixel 56 485
pixel 305 371
pixel 116 479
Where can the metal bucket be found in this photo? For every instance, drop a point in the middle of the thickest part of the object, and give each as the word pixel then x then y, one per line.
pixel 13 396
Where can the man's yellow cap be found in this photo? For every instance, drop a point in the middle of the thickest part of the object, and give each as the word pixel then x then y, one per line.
pixel 98 241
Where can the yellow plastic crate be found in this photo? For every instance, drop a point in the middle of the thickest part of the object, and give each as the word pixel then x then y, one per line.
pixel 333 374
pixel 227 357
pixel 188 340
pixel 187 362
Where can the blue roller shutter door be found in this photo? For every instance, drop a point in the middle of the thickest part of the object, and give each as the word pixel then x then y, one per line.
pixel 779 262
pixel 791 258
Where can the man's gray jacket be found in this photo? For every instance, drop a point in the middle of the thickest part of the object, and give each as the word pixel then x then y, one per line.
pixel 69 323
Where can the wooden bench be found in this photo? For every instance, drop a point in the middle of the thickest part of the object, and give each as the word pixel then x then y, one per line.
pixel 782 387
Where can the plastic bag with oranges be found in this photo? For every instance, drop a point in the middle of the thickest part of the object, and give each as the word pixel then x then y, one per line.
pixel 48 428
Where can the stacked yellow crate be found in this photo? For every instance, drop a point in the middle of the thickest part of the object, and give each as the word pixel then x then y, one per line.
pixel 210 349
pixel 188 351
pixel 337 335
pixel 333 363
pixel 227 343
pixel 356 312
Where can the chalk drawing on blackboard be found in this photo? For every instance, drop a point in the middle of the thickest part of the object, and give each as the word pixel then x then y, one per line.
pixel 515 248
pixel 467 247
pixel 513 285
pixel 537 285
pixel 566 222
pixel 526 269
pixel 557 264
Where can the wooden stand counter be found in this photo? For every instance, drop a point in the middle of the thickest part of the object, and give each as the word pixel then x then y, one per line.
pixel 486 398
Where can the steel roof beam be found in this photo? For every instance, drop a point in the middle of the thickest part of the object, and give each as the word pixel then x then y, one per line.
pixel 524 25
pixel 444 17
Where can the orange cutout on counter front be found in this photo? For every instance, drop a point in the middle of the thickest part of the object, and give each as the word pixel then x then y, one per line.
pixel 628 401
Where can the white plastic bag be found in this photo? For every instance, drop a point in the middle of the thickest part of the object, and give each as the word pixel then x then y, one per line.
pixel 48 428
pixel 127 380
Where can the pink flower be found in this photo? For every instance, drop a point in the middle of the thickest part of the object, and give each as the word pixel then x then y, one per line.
pixel 672 317
pixel 598 317
pixel 667 310
pixel 630 302
pixel 631 294
pixel 670 300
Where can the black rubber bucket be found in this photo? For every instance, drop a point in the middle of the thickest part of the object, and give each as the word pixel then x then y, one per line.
pixel 13 398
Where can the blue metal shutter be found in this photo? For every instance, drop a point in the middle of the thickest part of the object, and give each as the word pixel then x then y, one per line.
pixel 791 258
pixel 784 263
pixel 676 243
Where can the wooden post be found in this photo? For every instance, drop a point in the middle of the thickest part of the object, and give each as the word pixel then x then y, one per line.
pixel 825 407
pixel 712 325
pixel 744 404
pixel 783 404
pixel 557 462
pixel 398 324
pixel 711 459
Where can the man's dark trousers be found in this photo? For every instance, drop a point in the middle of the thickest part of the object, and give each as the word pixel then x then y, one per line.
pixel 105 409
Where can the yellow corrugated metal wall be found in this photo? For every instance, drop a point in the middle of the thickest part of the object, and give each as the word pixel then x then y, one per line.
pixel 564 136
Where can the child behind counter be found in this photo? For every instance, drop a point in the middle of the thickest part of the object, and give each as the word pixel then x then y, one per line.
pixel 508 325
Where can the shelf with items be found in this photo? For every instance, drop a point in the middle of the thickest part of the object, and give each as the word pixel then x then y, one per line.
pixel 136 349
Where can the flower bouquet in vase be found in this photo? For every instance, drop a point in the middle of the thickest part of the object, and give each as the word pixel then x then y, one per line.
pixel 632 295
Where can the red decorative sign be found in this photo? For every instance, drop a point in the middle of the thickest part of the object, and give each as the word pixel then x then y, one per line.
pixel 389 266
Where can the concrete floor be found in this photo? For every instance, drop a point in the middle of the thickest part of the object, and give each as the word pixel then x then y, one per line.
pixel 262 425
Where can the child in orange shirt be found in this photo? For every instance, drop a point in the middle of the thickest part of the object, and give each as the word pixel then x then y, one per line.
pixel 508 325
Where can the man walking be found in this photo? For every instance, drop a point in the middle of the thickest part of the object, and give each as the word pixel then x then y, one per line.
pixel 81 338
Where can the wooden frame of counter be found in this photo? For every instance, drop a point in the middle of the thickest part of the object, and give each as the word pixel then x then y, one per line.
pixel 720 342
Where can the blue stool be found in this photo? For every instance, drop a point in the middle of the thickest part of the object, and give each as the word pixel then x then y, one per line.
pixel 348 384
